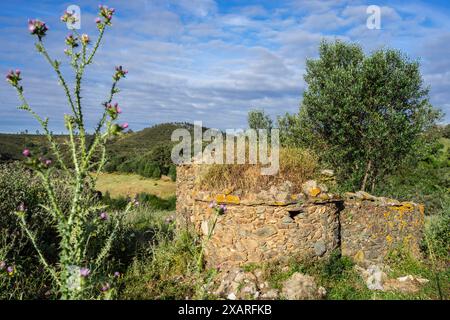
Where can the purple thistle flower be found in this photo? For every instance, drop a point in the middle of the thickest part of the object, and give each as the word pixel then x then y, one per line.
pixel 48 162
pixel 10 270
pixel 105 287
pixel 13 77
pixel 106 13
pixel 98 20
pixel 38 28
pixel 103 216
pixel 84 272
pixel 117 274
pixel 124 125
pixel 26 153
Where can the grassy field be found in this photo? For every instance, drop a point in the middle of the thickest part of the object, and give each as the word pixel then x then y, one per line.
pixel 131 184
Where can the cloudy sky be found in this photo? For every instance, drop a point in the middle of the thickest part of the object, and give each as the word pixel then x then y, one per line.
pixel 210 60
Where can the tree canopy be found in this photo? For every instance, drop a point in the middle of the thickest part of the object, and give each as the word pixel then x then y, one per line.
pixel 364 114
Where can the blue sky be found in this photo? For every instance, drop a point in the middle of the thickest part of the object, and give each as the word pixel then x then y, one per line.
pixel 210 60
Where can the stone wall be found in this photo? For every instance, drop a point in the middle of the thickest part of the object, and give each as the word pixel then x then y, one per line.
pixel 276 224
pixel 372 226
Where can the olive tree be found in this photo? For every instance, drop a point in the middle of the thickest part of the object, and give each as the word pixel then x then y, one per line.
pixel 364 114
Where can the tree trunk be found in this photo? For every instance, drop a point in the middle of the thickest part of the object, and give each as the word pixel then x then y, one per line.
pixel 366 175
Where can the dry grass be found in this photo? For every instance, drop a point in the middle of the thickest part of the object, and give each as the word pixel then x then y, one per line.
pixel 131 184
pixel 296 165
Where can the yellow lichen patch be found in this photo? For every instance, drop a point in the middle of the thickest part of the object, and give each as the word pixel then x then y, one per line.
pixel 294 197
pixel 404 207
pixel 315 192
pixel 324 196
pixel 359 257
pixel 279 203
pixel 387 214
pixel 227 191
pixel 230 199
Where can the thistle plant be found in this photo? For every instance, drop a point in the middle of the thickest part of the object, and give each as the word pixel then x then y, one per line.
pixel 74 273
pixel 218 211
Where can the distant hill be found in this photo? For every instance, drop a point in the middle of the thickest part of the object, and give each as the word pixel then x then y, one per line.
pixel 144 140
pixel 127 145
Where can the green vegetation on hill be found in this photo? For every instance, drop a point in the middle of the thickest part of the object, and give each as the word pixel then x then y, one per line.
pixel 146 152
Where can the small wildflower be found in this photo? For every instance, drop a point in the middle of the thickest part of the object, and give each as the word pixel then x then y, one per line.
pixel 124 125
pixel 222 208
pixel 85 39
pixel 106 13
pixel 103 216
pixel 26 153
pixel 120 73
pixel 212 204
pixel 72 41
pixel 98 20
pixel 13 77
pixel 105 287
pixel 22 207
pixel 117 274
pixel 113 110
pixel 48 162
pixel 38 28
pixel 84 272
pixel 2 265
pixel 10 271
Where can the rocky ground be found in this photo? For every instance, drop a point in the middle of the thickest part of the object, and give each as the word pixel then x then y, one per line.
pixel 237 284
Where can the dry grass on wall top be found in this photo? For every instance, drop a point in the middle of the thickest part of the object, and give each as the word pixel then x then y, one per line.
pixel 296 166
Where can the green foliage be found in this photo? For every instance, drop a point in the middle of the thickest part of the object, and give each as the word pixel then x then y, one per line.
pixel 168 272
pixel 438 233
pixel 446 131
pixel 173 173
pixel 149 200
pixel 257 119
pixel 364 115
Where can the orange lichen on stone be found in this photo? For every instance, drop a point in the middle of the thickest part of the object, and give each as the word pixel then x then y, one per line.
pixel 227 199
pixel 404 207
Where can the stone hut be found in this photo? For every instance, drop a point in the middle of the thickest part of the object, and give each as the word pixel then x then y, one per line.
pixel 276 224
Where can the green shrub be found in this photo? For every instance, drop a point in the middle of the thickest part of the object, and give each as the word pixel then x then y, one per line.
pixel 167 272
pixel 19 186
pixel 173 173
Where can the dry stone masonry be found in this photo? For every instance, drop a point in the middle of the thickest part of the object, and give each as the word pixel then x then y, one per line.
pixel 276 224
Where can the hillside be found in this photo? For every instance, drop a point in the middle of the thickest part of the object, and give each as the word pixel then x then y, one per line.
pixel 130 144
pixel 144 140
